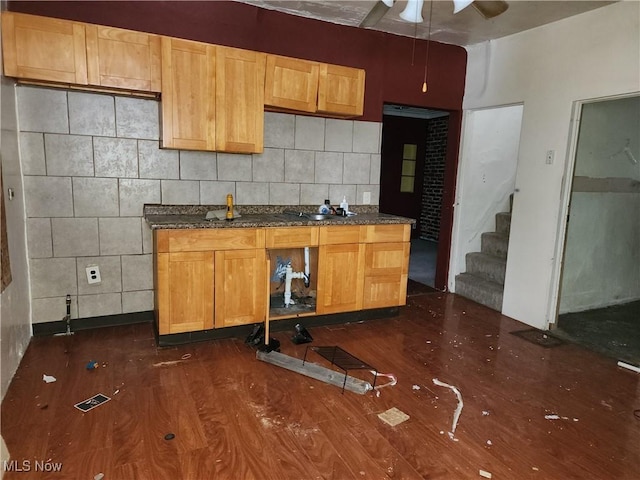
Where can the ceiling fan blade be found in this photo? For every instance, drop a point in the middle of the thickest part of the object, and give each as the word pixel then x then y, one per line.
pixel 376 13
pixel 490 8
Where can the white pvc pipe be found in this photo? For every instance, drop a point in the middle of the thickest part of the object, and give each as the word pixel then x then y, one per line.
pixel 306 266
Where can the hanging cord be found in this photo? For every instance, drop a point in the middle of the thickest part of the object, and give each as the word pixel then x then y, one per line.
pixel 426 60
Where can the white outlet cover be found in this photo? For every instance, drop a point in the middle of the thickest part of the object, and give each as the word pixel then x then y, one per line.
pixel 93 274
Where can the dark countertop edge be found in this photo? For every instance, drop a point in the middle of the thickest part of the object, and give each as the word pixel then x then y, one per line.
pixel 160 222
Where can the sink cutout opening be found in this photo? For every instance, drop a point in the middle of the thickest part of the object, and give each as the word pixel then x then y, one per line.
pixel 303 286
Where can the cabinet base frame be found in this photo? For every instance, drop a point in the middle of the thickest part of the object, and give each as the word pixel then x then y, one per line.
pixel 243 331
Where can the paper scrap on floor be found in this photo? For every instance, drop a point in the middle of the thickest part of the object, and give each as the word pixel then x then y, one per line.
pixel 393 416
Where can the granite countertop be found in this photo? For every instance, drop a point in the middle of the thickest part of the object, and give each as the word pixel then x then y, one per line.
pixel 253 216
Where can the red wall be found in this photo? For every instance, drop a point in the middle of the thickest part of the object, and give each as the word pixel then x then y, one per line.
pixel 390 77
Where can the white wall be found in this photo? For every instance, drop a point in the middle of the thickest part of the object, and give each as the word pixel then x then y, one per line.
pixel 592 55
pixel 15 328
pixel 486 177
pixel 602 253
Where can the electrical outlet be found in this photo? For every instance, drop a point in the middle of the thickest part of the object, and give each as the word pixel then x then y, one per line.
pixel 366 198
pixel 93 274
pixel 550 155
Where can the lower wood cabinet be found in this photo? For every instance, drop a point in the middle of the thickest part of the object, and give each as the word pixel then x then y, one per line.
pixel 340 278
pixel 240 293
pixel 184 291
pixel 217 278
pixel 385 274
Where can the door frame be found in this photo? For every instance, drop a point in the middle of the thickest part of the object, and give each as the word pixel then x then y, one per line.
pixel 553 306
pixel 448 196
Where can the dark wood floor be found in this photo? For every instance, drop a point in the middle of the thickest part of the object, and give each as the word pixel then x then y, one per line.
pixel 237 418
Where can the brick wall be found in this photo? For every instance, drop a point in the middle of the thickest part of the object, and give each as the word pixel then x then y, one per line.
pixel 433 178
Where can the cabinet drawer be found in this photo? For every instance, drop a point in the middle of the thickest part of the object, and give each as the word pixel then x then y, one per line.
pixel 192 240
pixel 388 233
pixel 387 258
pixel 292 237
pixel 339 234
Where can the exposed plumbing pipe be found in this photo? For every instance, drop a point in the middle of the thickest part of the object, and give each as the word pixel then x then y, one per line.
pixel 290 275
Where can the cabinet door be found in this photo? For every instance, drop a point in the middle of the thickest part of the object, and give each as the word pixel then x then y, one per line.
pixel 240 287
pixel 386 273
pixel 184 291
pixel 188 94
pixel 239 100
pixel 341 90
pixel 42 48
pixel 291 84
pixel 123 58
pixel 340 278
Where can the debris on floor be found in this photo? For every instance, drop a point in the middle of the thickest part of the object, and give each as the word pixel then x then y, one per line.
pixel 558 417
pixel 456 413
pixel 393 416
pixel 628 366
pixel 48 378
pixel 391 383
pixel 91 403
pixel 485 413
pixel 92 365
pixel 415 387
pixel 99 476
pixel 485 474
pixel 170 436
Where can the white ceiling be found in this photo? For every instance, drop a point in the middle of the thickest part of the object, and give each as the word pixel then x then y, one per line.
pixel 467 27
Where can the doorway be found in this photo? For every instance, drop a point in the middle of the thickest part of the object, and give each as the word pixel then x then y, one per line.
pixel 599 299
pixel 413 159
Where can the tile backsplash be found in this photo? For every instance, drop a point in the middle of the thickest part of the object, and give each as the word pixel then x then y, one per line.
pixel 91 161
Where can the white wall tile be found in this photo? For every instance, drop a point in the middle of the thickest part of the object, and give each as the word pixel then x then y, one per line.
pixel 141 301
pixel 313 193
pixel 110 275
pixel 252 193
pixel 32 153
pixel 42 110
pixel 215 193
pixel 115 157
pixel 234 167
pixel 338 136
pixel 357 167
pixel 198 166
pixel 279 130
pixel 69 155
pixel 120 236
pixel 269 165
pixel 336 192
pixel 376 159
pixel 53 277
pixel 284 194
pixel 99 305
pixel 309 133
pixel 156 163
pixel 328 167
pixel 299 166
pixel 135 193
pixel 366 137
pixel 147 238
pixel 95 197
pixel 74 237
pixel 137 272
pixel 137 118
pixel 48 196
pixel 39 242
pixel 52 309
pixel 180 192
pixel 91 114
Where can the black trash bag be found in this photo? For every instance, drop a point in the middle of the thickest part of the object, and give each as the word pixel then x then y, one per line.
pixel 302 335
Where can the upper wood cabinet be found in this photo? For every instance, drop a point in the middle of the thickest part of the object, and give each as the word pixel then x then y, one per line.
pixel 239 100
pixel 123 58
pixel 188 94
pixel 291 84
pixel 341 90
pixel 42 48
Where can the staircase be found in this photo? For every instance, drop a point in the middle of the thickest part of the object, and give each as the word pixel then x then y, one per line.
pixel 483 281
